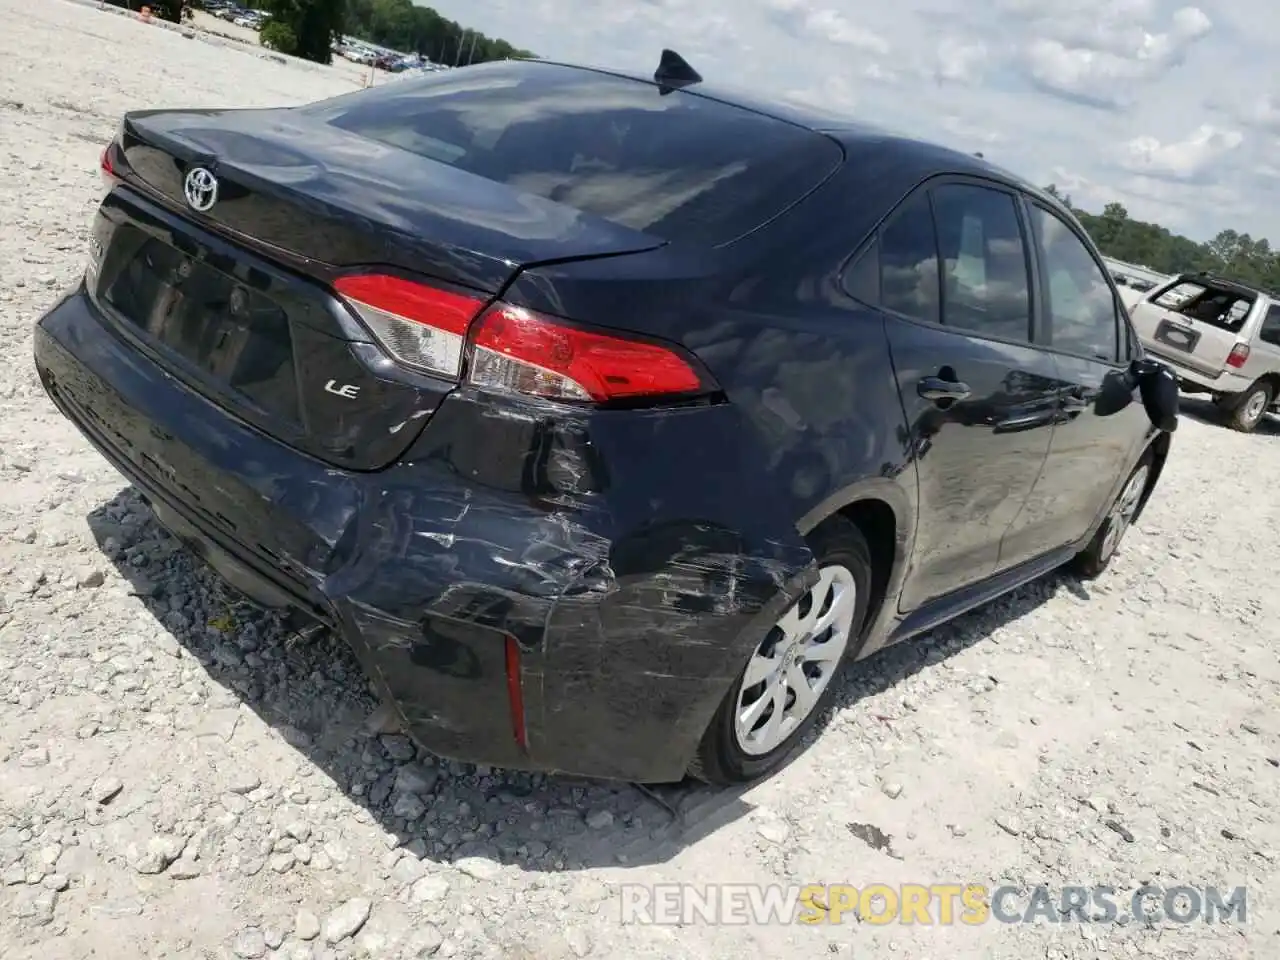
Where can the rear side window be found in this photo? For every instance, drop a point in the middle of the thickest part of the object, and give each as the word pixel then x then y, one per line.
pixel 1270 332
pixel 679 166
pixel 909 262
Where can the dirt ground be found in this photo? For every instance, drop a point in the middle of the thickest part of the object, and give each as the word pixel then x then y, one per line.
pixel 176 781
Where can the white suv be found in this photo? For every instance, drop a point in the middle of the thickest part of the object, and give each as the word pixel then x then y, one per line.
pixel 1220 338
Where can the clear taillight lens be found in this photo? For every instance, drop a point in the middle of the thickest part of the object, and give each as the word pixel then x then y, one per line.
pixel 423 328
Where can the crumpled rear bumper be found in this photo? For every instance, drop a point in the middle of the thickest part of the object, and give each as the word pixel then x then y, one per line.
pixel 589 634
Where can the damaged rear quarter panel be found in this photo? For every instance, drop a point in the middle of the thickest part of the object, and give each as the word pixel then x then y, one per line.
pixel 622 549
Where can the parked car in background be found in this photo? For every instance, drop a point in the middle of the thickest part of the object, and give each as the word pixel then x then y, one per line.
pixel 604 435
pixel 1221 338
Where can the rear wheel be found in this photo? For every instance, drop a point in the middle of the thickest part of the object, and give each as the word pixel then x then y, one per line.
pixel 788 680
pixel 1246 409
pixel 1095 558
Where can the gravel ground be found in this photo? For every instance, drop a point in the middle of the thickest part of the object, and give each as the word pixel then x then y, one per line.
pixel 177 780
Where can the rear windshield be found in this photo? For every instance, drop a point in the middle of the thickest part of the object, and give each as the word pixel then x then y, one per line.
pixel 1218 307
pixel 678 166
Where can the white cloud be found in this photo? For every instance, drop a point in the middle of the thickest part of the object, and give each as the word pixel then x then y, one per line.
pixel 834 26
pixel 1190 159
pixel 1262 111
pixel 958 59
pixel 1142 100
pixel 969 133
pixel 1101 51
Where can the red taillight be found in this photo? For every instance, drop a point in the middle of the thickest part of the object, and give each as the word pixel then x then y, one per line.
pixel 106 167
pixel 514 350
pixel 422 327
pixel 519 351
pixel 1238 355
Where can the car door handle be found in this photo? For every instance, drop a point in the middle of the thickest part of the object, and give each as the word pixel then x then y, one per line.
pixel 935 389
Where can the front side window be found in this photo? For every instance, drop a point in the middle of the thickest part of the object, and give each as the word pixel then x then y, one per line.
pixel 1082 308
pixel 985 286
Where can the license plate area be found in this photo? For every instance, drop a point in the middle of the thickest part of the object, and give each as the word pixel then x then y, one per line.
pixel 212 323
pixel 1176 336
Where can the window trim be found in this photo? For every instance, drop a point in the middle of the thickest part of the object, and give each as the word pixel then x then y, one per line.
pixel 927 186
pixel 1124 334
pixel 869 247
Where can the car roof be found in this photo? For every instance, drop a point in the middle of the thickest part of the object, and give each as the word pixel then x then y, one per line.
pixel 918 158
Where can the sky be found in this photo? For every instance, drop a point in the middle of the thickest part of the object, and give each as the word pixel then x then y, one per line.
pixel 1161 106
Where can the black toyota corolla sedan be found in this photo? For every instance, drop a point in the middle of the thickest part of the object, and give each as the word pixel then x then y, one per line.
pixel 605 416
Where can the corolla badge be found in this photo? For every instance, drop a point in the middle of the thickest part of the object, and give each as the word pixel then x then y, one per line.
pixel 200 189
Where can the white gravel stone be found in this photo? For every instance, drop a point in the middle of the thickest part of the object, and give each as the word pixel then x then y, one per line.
pixel 347 919
pixel 105 789
pixel 250 944
pixel 430 889
pixel 167 748
pixel 306 926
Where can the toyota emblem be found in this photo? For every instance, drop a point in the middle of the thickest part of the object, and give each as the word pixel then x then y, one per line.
pixel 201 189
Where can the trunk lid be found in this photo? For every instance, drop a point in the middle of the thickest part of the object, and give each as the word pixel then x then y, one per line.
pixel 320 196
pixel 238 301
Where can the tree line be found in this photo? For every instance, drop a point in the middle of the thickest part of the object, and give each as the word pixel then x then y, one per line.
pixel 1230 254
pixel 307 28
pixel 401 25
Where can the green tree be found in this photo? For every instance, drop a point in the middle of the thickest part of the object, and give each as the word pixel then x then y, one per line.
pixel 1063 198
pixel 314 24
pixel 401 25
pixel 278 35
pixel 1230 254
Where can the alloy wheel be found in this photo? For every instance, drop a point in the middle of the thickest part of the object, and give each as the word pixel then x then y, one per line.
pixel 1255 406
pixel 1122 514
pixel 795 662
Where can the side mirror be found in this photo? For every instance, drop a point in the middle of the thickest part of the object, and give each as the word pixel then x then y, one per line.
pixel 1158 387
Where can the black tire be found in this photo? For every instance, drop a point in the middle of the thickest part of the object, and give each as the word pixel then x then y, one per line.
pixel 1238 408
pixel 1097 556
pixel 720 760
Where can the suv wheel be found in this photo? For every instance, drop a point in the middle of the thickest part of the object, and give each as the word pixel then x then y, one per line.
pixel 1095 558
pixel 788 680
pixel 1247 409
